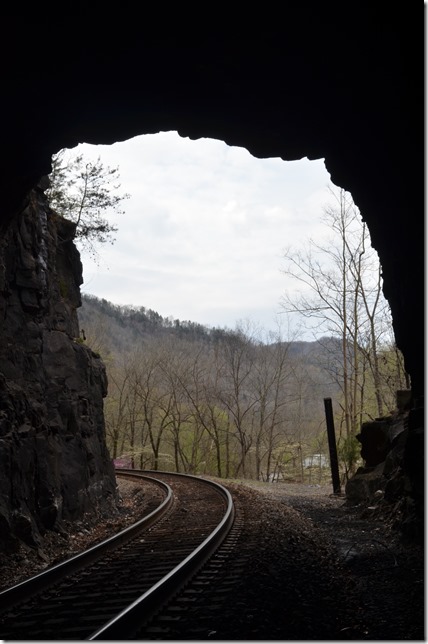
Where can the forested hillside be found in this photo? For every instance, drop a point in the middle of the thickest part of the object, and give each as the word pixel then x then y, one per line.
pixel 213 401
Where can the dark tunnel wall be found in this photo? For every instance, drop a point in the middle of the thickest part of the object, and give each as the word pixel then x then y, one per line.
pixel 340 81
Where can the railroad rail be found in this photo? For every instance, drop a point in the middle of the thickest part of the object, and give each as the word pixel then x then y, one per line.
pixel 108 591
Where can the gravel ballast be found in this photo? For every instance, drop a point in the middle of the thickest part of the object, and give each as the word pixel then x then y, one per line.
pixel 311 567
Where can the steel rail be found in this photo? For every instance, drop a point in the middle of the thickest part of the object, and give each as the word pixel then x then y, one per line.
pixel 131 618
pixel 26 589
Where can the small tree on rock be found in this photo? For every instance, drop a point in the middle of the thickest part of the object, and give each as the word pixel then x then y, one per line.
pixel 84 192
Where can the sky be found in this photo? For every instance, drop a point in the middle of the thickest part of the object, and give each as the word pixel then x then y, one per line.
pixel 204 230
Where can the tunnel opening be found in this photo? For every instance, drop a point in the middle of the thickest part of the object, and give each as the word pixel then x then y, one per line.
pixel 177 187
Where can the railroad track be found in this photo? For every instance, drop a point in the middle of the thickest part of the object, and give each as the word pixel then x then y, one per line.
pixel 114 588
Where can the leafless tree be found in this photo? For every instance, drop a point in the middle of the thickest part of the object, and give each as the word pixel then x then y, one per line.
pixel 341 297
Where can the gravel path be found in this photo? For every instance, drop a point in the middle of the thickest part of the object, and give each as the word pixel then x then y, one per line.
pixel 351 574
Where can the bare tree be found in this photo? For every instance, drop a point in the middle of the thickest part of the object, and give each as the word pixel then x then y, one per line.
pixel 237 395
pixel 115 411
pixel 341 296
pixel 201 387
pixel 269 382
pixel 155 400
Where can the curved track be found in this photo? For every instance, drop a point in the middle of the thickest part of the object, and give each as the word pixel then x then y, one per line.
pixel 108 591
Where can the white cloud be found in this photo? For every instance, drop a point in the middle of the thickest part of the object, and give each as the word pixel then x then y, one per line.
pixel 205 228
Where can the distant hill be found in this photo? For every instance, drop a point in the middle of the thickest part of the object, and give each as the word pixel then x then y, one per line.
pixel 113 329
pixel 118 327
pixel 127 323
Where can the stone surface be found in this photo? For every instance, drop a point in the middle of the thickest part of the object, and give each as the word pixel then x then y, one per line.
pixel 54 464
pixel 385 481
pixel 378 437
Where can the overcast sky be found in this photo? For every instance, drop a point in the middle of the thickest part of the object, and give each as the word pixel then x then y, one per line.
pixel 204 231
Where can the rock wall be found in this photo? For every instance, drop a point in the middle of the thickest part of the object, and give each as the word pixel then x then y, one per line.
pixel 54 463
pixel 388 485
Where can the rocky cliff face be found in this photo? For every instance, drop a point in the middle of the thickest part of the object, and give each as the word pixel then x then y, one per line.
pixel 54 463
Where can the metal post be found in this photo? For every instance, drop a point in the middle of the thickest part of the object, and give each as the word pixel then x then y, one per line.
pixel 334 464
